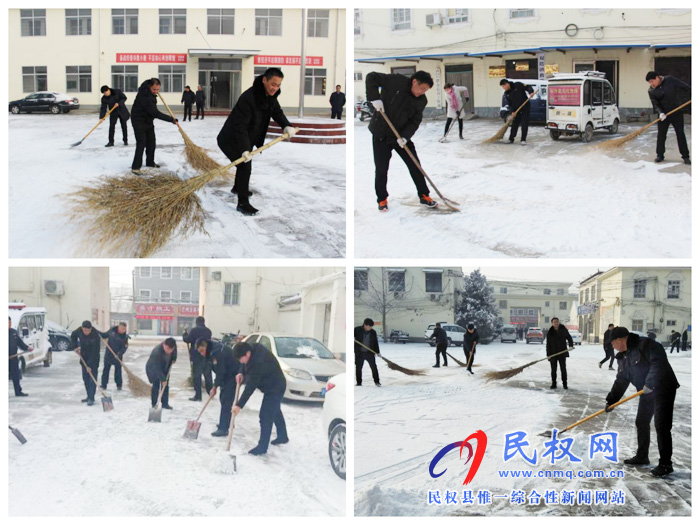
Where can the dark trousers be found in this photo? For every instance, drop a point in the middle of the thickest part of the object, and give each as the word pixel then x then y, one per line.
pixel 15 375
pixel 441 349
pixel 200 110
pixel 145 139
pixel 675 120
pixel 360 359
pixel 188 111
pixel 336 114
pixel 522 120
pixel 676 345
pixel 200 367
pixel 561 359
pixel 659 405
pixel 113 117
pixel 106 370
pixel 466 356
pixel 227 396
pixel 271 413
pixel 459 121
pixel 382 156
pixel 90 386
pixel 155 390
pixel 243 172
pixel 684 345
pixel 609 354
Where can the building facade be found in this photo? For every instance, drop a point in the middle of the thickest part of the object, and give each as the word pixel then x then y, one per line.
pixel 76 51
pixel 70 295
pixel 476 48
pixel 646 300
pixel 406 298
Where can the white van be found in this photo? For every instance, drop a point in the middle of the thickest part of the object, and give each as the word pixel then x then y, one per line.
pixel 508 334
pixel 30 323
pixel 581 103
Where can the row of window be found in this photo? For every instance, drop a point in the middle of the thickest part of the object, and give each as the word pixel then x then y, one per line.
pixel 639 291
pixel 268 22
pixel 402 19
pixel 164 295
pixel 503 305
pixel 126 78
pixel 397 281
pixel 187 273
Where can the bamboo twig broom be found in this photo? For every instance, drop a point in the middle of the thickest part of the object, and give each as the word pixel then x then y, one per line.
pixel 137 385
pixel 507 374
pixel 456 360
pixel 501 132
pixel 392 365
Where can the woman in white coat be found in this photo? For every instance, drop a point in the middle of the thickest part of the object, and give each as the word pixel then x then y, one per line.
pixel 457 97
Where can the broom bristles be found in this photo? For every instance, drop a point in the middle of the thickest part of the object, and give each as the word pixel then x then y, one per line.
pixel 197 157
pixel 504 374
pixel 399 368
pixel 616 143
pixel 456 360
pixel 498 136
pixel 137 385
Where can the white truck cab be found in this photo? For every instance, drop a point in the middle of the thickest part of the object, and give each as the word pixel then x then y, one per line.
pixel 30 323
pixel 580 104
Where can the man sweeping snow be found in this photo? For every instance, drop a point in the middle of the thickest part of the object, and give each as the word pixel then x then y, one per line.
pixel 664 93
pixel 518 93
pixel 557 339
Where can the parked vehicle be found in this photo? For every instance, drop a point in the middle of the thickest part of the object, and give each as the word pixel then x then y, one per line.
pixel 364 110
pixel 334 422
pixel 30 323
pixel 576 336
pixel 307 364
pixel 538 103
pixel 51 101
pixel 534 335
pixel 397 336
pixel 59 337
pixel 580 104
pixel 508 334
pixel 455 334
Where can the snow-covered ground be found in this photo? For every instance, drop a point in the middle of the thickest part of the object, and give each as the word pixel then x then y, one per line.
pixel 298 188
pixel 546 199
pixel 81 461
pixel 400 427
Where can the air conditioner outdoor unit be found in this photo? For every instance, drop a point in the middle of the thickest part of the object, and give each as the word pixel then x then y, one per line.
pixel 216 276
pixel 433 297
pixel 54 288
pixel 433 20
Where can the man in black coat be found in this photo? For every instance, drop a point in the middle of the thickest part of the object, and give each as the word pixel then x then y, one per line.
pixel 199 100
pixel 246 127
pixel 665 95
pixel 263 372
pixel 337 101
pixel 366 335
pixel 227 368
pixel 112 97
pixel 643 363
pixel 558 337
pixel 200 365
pixel 143 113
pixel 471 339
pixel 684 340
pixel 516 93
pixel 440 345
pixel 86 342
pixel 607 346
pixel 158 366
pixel 675 342
pixel 15 343
pixel 403 100
pixel 188 98
pixel 118 341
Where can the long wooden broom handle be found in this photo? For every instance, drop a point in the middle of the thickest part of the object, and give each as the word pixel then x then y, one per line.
pixel 114 354
pixel 673 111
pixel 471 354
pixel 554 355
pixel 100 122
pixel 241 160
pixel 233 416
pixel 92 376
pixel 637 394
pixel 169 111
pixel 367 347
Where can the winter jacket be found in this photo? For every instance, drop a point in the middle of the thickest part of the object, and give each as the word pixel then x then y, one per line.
pixel 247 124
pixel 115 95
pixel 676 337
pixel 668 95
pixel 557 340
pixel 16 342
pixel 607 343
pixel 469 340
pixel 440 336
pixel 199 97
pixel 337 101
pixel 462 97
pixel 198 332
pixel 684 337
pixel 227 366
pixel 518 94
pixel 403 109
pixel 145 109
pixel 116 341
pixel 159 364
pixel 89 344
pixel 644 363
pixel 188 98
pixel 359 336
pixel 262 372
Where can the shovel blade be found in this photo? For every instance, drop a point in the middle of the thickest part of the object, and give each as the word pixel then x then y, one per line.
pixel 107 404
pixel 154 414
pixel 192 430
pixel 19 436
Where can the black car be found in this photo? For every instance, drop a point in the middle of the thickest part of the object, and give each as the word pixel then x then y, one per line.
pixel 59 337
pixel 45 101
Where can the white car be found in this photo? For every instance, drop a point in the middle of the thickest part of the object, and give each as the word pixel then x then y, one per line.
pixel 307 364
pixel 576 336
pixel 334 422
pixel 455 334
pixel 508 334
pixel 30 323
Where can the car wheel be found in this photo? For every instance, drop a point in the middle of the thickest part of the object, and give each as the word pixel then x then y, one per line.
pixel 613 128
pixel 587 134
pixel 62 345
pixel 14 110
pixel 336 450
pixel 55 109
pixel 555 134
pixel 449 342
pixel 48 360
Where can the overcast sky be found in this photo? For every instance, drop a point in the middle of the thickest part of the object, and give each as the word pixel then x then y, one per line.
pixel 120 276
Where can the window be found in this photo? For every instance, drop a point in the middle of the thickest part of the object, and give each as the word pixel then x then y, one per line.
pixel 186 273
pixel 125 21
pixel 674 290
pixel 400 19
pixel 547 291
pixel 265 341
pixel 172 21
pixel 433 282
pixel 185 296
pixel 268 22
pixel 503 305
pixel 125 78
pixel 587 295
pixel 457 16
pixel 525 68
pixel 521 13
pixel 546 304
pixel 315 81
pixel 670 322
pixel 397 281
pixel 165 295
pixel 637 325
pixel 172 78
pixel 503 289
pixel 145 324
pixel 361 280
pixel 358 76
pixel 640 288
pixel 166 272
pixel 546 319
pixel 317 23
pixel 608 96
pixel 560 291
pixel 78 79
pixel 562 305
pixel 33 22
pixel 358 22
pixel 597 91
pixel 144 295
pixel 78 22
pixel 593 292
pixel 145 272
pixel 580 297
pixel 220 21
pixel 34 79
pixel 232 293
pixel 406 71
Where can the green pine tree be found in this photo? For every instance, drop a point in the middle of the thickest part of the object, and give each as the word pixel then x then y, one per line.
pixel 478 306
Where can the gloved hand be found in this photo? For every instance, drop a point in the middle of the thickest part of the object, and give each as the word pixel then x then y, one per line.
pixel 175 121
pixel 662 116
pixel 608 409
pixel 648 389
pixel 291 131
pixel 378 105
pixel 247 156
pixel 401 142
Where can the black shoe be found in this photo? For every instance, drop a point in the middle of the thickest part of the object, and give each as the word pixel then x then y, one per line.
pixel 566 387
pixel 636 460
pixel 257 451
pixel 196 118
pixel 611 368
pixel 119 387
pixel 167 407
pixel 219 433
pixel 461 137
pixel 234 190
pixel 445 364
pixel 358 384
pixel 553 387
pixel 685 161
pixel 470 372
pixel 510 141
pixel 659 159
pixel 21 394
pixel 436 366
pixel 109 144
pixel 377 383
pixel 425 200
pixel 90 402
pixel 104 387
pixel 154 165
pixel 195 398
pixel 84 400
pixel 600 365
pixel 126 142
pixel 246 209
pixel 279 441
pixel 661 470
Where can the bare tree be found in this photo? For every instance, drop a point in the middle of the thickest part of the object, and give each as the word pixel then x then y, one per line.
pixel 385 294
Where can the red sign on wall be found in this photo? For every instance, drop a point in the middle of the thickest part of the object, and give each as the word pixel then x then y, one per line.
pixel 188 310
pixel 154 309
pixel 160 58
pixel 281 60
pixel 564 95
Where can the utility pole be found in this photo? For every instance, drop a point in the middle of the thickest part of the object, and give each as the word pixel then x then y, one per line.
pixel 302 64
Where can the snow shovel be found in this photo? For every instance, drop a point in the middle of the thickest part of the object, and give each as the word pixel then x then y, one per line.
pixel 192 430
pixel 155 413
pixel 18 435
pixel 107 403
pixel 93 129
pixel 449 203
pixel 548 433
pixel 232 426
